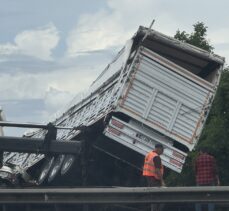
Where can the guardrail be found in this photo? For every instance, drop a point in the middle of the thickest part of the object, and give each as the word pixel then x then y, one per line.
pixel 115 195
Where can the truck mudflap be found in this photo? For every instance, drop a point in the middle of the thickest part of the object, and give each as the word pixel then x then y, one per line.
pixel 141 139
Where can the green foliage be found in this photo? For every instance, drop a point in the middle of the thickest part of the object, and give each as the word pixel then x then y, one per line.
pixel 215 135
pixel 186 178
pixel 197 38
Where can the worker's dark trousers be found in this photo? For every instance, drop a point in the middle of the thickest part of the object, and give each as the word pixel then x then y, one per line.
pixel 152 182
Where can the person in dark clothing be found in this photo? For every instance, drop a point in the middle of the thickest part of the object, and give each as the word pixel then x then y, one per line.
pixel 206 172
pixel 206 169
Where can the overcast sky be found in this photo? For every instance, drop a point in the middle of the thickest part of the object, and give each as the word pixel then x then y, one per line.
pixel 52 50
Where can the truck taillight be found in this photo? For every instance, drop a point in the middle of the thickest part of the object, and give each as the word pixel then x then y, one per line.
pixel 117 123
pixel 175 162
pixel 178 155
pixel 114 131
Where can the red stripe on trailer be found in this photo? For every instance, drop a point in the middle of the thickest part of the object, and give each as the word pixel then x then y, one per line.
pixel 114 131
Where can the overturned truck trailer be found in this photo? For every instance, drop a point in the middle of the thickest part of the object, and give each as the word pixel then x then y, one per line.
pixel 156 90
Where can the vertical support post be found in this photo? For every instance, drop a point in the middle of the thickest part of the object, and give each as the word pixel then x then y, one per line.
pixel 50 135
pixel 87 134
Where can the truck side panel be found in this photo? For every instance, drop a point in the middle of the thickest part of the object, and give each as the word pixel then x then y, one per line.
pixel 167 101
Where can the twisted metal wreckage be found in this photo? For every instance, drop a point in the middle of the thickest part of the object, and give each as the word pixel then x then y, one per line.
pixel 156 90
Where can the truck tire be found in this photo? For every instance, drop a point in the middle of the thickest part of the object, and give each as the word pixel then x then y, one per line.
pixel 55 167
pixel 45 169
pixel 67 163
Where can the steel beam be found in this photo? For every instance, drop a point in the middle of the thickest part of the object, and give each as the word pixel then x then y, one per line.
pixel 30 125
pixel 35 145
pixel 120 195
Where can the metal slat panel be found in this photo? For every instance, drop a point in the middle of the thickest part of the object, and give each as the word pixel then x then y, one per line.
pixel 190 109
pixel 179 93
pixel 190 125
pixel 140 98
pixel 165 76
pixel 163 88
pixel 141 89
pixel 190 113
pixel 136 101
pixel 175 109
pixel 178 69
pixel 166 101
pixel 174 76
pixel 163 108
pixel 185 131
pixel 131 105
pixel 157 108
pixel 155 117
pixel 150 103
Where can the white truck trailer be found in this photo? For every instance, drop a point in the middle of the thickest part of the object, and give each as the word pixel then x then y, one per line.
pixel 156 90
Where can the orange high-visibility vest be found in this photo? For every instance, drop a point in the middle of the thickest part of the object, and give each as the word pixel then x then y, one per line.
pixel 149 169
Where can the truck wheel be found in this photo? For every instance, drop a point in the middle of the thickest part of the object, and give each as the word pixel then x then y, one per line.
pixel 45 169
pixel 67 163
pixel 55 167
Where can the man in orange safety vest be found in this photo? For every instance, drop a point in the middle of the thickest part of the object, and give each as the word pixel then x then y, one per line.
pixel 153 169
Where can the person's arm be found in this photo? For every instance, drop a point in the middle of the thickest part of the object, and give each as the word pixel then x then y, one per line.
pixel 160 176
pixel 157 163
pixel 216 172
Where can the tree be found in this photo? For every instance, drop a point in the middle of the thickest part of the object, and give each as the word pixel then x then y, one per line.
pixel 214 137
pixel 215 134
pixel 197 37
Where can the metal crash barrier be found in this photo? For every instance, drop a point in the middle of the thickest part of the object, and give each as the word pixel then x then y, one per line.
pixel 115 195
